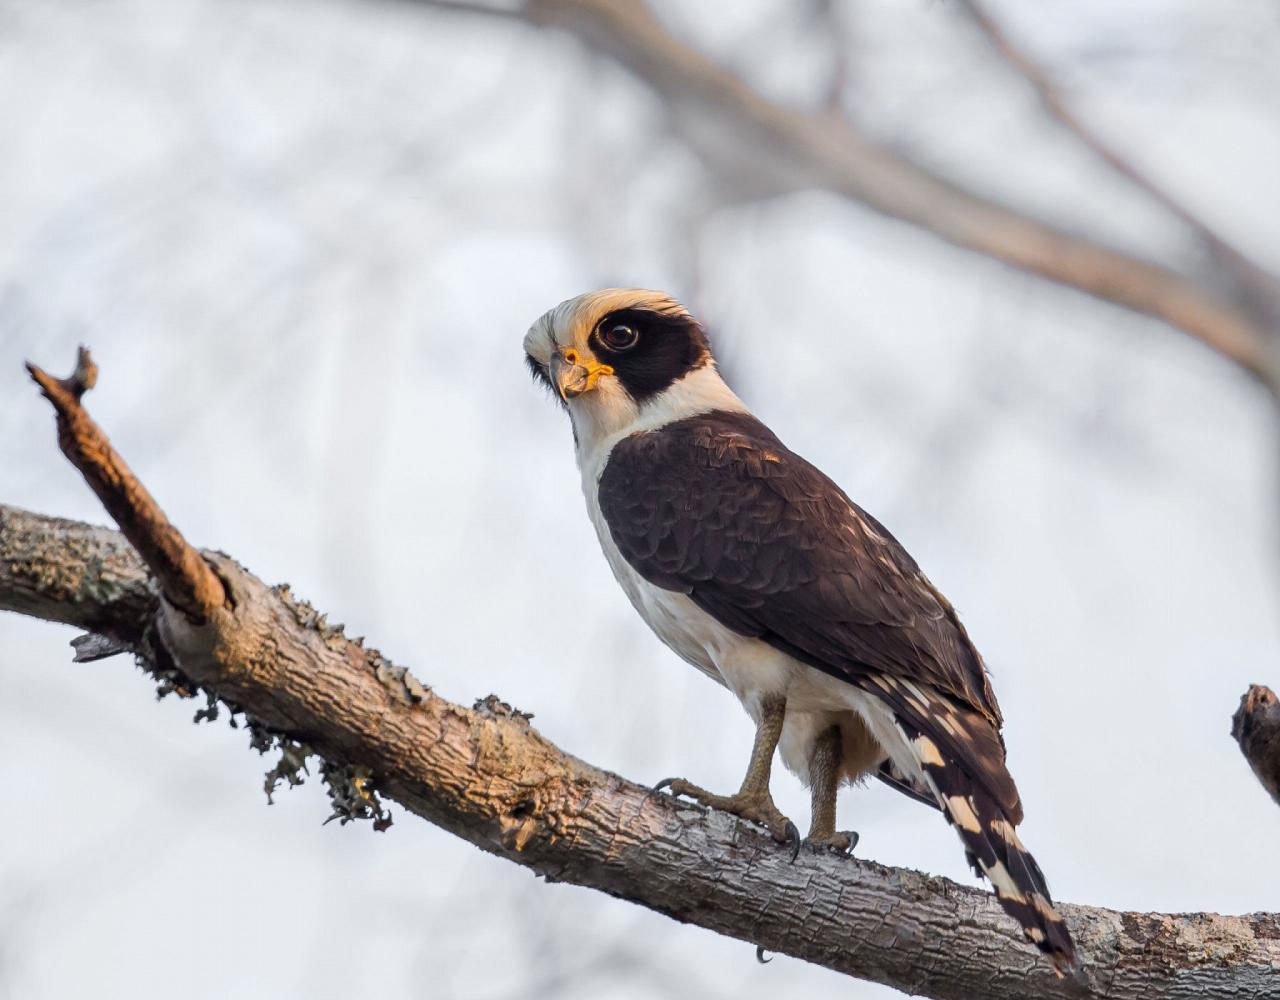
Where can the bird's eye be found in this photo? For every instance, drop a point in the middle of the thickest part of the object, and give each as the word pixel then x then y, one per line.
pixel 620 336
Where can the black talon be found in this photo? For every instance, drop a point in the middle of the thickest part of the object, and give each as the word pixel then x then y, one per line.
pixel 760 956
pixel 793 838
pixel 853 840
pixel 665 783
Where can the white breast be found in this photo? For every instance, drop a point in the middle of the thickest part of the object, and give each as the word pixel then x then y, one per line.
pixel 677 621
pixel 746 666
pixel 752 670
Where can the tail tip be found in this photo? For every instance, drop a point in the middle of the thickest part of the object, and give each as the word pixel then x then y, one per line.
pixel 1065 963
pixel 1057 947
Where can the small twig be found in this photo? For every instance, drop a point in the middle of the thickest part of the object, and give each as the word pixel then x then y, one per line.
pixel 1256 727
pixel 185 578
pixel 761 148
pixel 1058 108
pixel 828 15
pixel 84 378
pixel 470 7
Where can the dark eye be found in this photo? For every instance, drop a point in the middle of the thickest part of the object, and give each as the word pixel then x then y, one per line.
pixel 619 336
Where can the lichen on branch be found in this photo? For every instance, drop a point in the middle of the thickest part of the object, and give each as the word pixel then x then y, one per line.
pixel 305 691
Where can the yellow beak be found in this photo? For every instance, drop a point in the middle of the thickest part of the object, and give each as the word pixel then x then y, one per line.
pixel 573 377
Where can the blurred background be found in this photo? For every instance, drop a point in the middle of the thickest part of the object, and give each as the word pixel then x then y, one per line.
pixel 304 239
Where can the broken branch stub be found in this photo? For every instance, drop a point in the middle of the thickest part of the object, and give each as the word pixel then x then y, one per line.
pixel 185 578
pixel 1256 727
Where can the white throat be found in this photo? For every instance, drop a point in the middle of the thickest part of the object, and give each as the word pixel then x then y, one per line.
pixel 602 422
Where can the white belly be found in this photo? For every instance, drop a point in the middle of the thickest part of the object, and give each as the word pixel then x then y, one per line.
pixel 744 665
pixel 753 669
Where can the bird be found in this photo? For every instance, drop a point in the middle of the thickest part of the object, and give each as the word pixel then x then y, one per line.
pixel 757 569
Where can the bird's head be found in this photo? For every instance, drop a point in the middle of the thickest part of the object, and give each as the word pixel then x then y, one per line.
pixel 608 355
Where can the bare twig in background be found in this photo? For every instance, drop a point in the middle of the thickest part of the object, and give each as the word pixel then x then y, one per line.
pixel 485 775
pixel 1246 277
pixel 1256 727
pixel 761 149
pixel 830 15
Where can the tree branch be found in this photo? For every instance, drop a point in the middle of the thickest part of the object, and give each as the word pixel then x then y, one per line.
pixel 487 776
pixel 1248 279
pixel 184 577
pixel 760 148
pixel 1256 727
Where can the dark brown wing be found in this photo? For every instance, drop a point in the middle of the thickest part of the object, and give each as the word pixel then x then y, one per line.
pixel 718 508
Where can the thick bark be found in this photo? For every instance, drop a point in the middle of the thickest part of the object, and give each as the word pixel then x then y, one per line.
pixel 486 775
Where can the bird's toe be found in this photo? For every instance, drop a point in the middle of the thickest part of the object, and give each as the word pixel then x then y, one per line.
pixel 841 842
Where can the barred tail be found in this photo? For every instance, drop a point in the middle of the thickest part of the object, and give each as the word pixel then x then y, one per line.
pixel 993 848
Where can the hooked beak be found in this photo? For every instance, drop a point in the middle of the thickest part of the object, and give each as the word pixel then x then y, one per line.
pixel 571 377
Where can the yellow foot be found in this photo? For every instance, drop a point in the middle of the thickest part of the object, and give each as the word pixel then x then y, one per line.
pixel 757 807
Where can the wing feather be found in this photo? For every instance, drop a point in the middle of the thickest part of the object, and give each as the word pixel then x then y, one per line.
pixel 718 508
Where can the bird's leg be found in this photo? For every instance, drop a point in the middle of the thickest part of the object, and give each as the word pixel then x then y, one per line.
pixel 752 801
pixel 824 780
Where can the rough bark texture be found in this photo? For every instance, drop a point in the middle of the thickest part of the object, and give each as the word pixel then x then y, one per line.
pixel 486 775
pixel 65 571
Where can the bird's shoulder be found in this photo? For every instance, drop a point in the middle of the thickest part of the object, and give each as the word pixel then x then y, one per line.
pixel 728 474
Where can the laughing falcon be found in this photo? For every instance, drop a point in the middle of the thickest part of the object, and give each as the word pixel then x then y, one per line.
pixel 757 569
